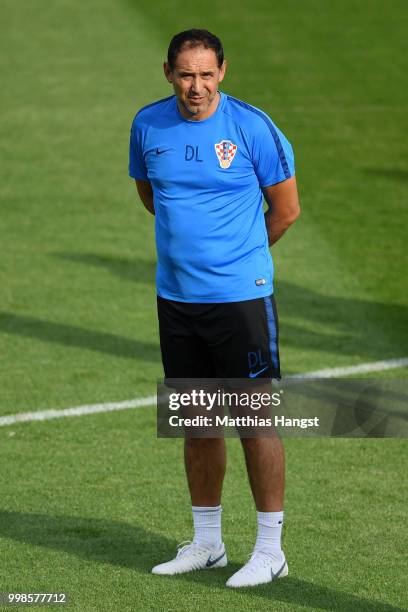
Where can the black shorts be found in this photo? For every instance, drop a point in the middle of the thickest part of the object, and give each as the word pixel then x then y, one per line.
pixel 223 340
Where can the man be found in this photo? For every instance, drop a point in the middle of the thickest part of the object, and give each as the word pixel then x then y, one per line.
pixel 203 161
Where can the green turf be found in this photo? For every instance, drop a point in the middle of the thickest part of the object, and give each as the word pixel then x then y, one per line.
pixel 89 498
pixel 114 503
pixel 77 270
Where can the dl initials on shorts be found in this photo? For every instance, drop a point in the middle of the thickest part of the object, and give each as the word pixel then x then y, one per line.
pixel 192 154
pixel 255 359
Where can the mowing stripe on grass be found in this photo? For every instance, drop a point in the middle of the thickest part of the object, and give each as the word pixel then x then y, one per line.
pixel 46 415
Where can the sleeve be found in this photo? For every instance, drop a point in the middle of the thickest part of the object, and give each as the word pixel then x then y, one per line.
pixel 273 157
pixel 137 165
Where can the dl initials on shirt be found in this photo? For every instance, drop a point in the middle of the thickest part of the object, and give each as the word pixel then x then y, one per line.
pixel 192 154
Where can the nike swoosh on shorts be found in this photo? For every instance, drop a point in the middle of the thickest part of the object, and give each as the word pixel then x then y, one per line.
pixel 255 374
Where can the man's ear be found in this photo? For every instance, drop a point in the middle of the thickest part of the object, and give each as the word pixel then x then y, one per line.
pixel 168 73
pixel 223 70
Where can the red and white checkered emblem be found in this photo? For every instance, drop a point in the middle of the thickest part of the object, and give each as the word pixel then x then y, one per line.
pixel 225 151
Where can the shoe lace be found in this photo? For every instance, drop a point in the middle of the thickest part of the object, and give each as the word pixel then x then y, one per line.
pixel 256 560
pixel 183 547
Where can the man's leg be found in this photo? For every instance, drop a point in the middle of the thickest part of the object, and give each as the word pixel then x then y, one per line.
pixel 252 347
pixel 205 461
pixel 186 356
pixel 265 461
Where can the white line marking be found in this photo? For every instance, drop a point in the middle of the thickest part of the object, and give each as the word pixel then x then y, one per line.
pixel 46 415
pixel 362 368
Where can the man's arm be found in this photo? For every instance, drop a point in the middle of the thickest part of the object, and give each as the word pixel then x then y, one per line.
pixel 145 191
pixel 283 208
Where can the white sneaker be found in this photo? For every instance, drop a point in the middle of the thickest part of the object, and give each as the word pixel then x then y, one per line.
pixel 260 569
pixel 192 557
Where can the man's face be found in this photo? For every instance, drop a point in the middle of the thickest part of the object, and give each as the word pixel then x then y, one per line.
pixel 195 80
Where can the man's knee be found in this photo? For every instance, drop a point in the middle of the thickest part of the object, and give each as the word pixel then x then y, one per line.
pixel 272 442
pixel 202 444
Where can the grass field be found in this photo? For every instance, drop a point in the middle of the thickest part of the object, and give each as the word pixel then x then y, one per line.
pixel 89 504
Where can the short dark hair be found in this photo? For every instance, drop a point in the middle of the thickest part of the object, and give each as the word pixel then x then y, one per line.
pixel 194 38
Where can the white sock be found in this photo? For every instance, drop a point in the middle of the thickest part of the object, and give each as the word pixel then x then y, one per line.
pixel 207 526
pixel 269 532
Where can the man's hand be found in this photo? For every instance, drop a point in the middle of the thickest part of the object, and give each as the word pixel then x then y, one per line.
pixel 284 209
pixel 145 191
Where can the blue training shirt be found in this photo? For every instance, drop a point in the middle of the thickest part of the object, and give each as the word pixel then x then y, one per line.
pixel 206 176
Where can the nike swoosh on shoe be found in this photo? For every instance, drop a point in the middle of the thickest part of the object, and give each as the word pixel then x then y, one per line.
pixel 211 562
pixel 278 572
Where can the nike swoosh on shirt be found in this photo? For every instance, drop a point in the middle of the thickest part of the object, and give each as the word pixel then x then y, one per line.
pixel 255 374
pixel 162 151
pixel 211 562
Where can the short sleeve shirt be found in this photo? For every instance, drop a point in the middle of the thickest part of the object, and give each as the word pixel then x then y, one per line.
pixel 207 178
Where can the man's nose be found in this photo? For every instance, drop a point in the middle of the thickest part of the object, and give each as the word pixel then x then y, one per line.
pixel 196 84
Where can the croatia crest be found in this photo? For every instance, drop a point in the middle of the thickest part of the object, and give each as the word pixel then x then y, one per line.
pixel 225 151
